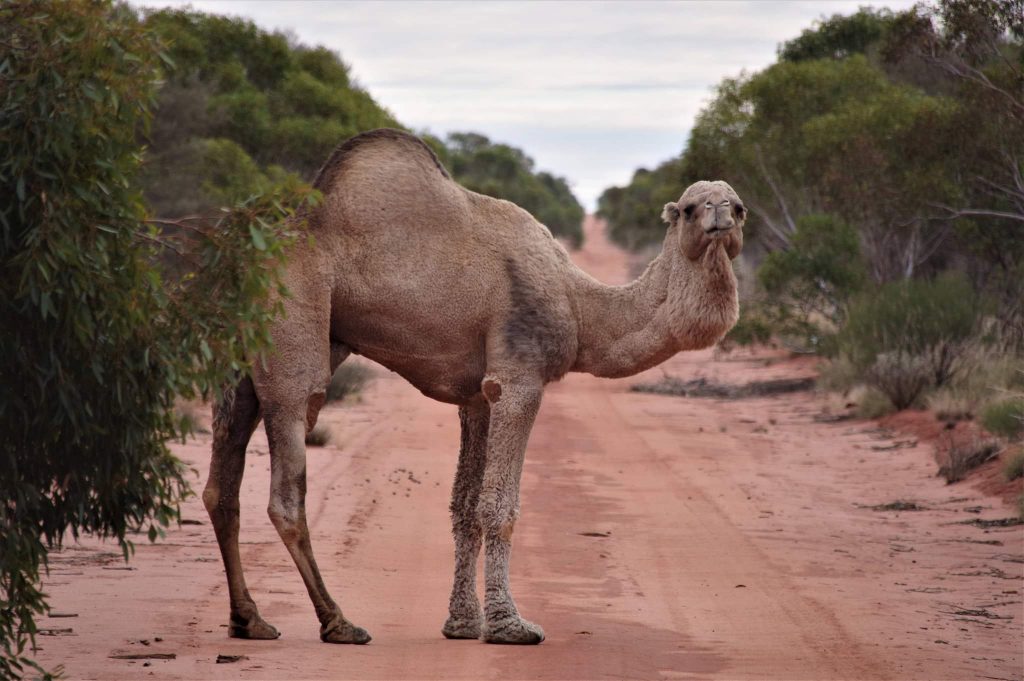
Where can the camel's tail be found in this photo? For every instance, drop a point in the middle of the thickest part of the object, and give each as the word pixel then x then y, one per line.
pixel 235 416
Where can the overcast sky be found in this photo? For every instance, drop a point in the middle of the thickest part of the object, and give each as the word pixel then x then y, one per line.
pixel 590 90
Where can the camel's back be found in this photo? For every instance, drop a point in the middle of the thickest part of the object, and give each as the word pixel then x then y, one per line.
pixel 419 266
pixel 388 181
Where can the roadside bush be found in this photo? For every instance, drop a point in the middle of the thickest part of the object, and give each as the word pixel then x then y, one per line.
pixel 906 336
pixel 348 379
pixel 99 339
pixel 1005 418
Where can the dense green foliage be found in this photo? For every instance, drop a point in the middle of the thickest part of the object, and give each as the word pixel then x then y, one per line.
pixel 245 110
pixel 241 109
pixel 906 129
pixel 839 36
pixel 810 284
pixel 98 340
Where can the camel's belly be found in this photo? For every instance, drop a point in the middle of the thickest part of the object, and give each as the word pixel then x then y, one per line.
pixel 454 379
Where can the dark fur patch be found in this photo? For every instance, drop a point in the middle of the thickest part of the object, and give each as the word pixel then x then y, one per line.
pixel 235 416
pixel 491 390
pixel 327 174
pixel 532 333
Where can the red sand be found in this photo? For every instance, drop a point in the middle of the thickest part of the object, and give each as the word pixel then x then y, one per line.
pixel 739 546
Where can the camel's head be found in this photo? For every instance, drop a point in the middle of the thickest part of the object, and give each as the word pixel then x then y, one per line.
pixel 708 215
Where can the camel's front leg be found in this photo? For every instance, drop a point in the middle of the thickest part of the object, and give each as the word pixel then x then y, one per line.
pixel 464 614
pixel 513 409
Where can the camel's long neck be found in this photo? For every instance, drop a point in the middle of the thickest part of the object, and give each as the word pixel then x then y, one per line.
pixel 677 304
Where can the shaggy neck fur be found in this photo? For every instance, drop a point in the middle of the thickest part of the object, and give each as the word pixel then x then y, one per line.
pixel 676 304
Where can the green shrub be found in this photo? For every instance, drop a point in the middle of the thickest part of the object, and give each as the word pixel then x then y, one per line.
pixel 98 341
pixel 1005 418
pixel 908 335
pixel 348 379
pixel 819 272
pixel 753 328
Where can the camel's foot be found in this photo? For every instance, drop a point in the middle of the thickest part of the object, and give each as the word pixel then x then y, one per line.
pixel 514 630
pixel 340 630
pixel 251 627
pixel 461 627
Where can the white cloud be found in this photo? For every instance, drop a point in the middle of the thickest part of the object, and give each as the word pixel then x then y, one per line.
pixel 591 90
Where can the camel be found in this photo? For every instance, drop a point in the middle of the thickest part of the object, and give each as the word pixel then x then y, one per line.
pixel 472 301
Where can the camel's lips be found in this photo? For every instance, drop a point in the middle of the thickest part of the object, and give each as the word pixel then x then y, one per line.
pixel 717 231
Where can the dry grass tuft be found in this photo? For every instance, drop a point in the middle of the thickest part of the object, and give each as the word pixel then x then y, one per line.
pixel 951 405
pixel 963 457
pixel 1014 467
pixel 319 436
pixel 348 379
pixel 871 403
pixel 190 418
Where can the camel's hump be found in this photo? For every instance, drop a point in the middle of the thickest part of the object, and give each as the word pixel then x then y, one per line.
pixel 354 145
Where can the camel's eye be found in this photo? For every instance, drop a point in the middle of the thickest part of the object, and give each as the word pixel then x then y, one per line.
pixel 689 210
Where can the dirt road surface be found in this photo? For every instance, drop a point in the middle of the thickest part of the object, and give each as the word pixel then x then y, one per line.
pixel 661 537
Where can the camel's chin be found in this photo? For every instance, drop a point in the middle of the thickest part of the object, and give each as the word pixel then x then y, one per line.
pixel 733 246
pixel 707 246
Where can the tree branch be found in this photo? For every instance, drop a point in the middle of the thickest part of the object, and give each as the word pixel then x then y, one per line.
pixel 955 213
pixel 775 190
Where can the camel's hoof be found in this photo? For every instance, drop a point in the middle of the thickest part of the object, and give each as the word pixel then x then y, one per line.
pixel 344 632
pixel 254 627
pixel 513 630
pixel 458 627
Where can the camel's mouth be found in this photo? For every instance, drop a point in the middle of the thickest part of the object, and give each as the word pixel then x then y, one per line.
pixel 717 231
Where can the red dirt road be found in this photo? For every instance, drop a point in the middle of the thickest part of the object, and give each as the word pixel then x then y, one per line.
pixel 661 537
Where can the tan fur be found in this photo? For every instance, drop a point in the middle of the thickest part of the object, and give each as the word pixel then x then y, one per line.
pixel 473 302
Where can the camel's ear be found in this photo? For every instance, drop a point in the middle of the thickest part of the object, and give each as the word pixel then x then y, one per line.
pixel 671 213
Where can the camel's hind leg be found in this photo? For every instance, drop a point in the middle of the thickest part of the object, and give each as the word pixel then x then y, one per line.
pixel 235 417
pixel 465 616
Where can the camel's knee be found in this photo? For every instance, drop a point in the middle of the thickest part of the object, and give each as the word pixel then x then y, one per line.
pixel 496 515
pixel 211 499
pixel 287 520
pixel 219 504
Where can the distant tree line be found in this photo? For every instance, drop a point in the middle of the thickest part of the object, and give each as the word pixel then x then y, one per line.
pixel 244 110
